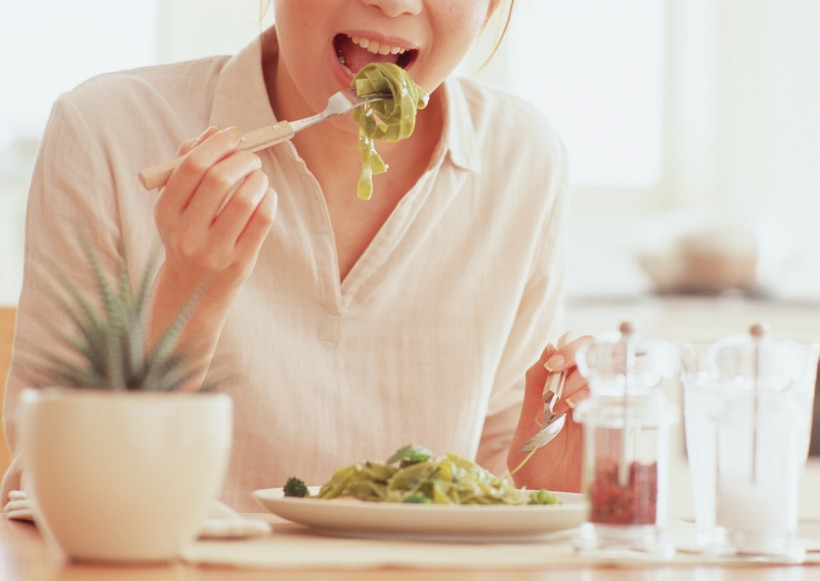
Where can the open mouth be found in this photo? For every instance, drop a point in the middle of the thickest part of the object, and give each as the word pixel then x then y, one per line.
pixel 354 52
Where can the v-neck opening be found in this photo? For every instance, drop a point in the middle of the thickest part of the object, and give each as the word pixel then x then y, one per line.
pixel 337 292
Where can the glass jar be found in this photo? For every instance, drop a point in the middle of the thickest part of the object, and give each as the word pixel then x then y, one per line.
pixel 626 422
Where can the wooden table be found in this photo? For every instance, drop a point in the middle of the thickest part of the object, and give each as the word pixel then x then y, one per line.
pixel 25 556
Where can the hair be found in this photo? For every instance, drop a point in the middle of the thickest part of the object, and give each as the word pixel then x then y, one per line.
pixel 504 28
pixel 264 7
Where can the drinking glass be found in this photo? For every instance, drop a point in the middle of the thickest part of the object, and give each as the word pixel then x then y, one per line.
pixel 747 417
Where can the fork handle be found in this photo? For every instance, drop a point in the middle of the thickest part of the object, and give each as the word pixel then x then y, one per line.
pixel 155 176
pixel 266 136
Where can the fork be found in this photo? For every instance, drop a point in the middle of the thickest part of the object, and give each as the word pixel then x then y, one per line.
pixel 339 103
pixel 553 423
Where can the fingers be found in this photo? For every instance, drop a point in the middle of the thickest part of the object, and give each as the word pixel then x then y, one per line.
pixel 212 171
pixel 222 181
pixel 250 240
pixel 536 378
pixel 247 217
pixel 564 358
pixel 575 388
pixel 199 161
pixel 216 209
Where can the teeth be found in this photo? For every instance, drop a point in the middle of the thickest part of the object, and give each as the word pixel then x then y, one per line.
pixel 375 47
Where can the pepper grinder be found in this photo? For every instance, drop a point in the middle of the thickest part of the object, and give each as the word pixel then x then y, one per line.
pixel 626 422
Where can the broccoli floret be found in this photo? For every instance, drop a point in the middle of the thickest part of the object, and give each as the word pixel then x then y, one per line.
pixel 543 497
pixel 410 454
pixel 296 487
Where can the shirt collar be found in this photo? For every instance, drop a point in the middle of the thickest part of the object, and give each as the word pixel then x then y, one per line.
pixel 241 100
pixel 458 139
pixel 241 97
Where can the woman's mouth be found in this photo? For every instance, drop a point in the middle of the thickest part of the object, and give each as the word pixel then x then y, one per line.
pixel 354 52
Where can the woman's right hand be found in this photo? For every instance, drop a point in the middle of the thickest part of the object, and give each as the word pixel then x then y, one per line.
pixel 214 212
pixel 213 215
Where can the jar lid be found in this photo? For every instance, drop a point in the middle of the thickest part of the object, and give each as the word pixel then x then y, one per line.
pixel 758 360
pixel 621 361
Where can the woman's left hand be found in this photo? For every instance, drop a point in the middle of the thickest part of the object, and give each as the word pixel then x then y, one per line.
pixel 558 465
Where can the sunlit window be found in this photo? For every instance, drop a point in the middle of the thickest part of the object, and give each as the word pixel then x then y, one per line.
pixel 49 47
pixel 596 69
pixel 61 44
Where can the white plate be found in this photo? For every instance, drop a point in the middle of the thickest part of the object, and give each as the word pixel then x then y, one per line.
pixel 495 523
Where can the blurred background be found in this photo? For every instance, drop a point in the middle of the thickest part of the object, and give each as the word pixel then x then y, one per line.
pixel 693 130
pixel 693 126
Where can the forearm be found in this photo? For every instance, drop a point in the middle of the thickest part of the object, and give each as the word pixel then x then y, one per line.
pixel 209 305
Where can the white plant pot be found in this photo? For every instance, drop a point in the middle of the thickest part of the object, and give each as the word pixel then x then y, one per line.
pixel 123 476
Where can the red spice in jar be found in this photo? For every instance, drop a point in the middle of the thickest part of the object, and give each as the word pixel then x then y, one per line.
pixel 633 503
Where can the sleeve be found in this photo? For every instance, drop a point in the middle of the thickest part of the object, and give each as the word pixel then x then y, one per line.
pixel 538 319
pixel 70 197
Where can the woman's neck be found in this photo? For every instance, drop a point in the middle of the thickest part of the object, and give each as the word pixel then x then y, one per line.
pixel 331 152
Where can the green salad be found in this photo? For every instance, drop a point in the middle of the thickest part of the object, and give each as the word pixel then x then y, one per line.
pixel 414 475
pixel 389 119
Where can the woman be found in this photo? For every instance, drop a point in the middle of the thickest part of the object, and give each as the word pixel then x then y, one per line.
pixel 350 328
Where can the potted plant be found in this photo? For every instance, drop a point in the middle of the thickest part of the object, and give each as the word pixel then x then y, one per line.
pixel 120 462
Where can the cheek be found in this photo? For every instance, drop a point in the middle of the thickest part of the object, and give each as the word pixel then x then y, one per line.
pixel 454 39
pixel 299 34
pixel 298 19
pixel 462 27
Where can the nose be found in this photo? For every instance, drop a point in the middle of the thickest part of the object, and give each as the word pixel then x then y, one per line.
pixel 396 7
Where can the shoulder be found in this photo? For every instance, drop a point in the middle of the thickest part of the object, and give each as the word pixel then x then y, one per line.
pixel 164 78
pixel 512 138
pixel 136 93
pixel 518 159
pixel 131 115
pixel 504 118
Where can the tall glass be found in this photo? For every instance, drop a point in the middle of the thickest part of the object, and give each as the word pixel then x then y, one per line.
pixel 748 411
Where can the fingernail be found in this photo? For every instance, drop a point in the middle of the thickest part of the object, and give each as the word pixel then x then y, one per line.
pixel 570 403
pixel 555 362
pixel 274 202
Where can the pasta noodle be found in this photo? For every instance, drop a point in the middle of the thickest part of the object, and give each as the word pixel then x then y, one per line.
pixel 388 119
pixel 413 474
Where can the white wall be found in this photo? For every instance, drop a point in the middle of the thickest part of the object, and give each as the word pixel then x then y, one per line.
pixel 196 28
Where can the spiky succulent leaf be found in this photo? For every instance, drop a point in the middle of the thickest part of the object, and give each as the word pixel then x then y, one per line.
pixel 105 347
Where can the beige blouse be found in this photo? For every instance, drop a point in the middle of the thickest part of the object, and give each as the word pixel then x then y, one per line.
pixel 428 338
